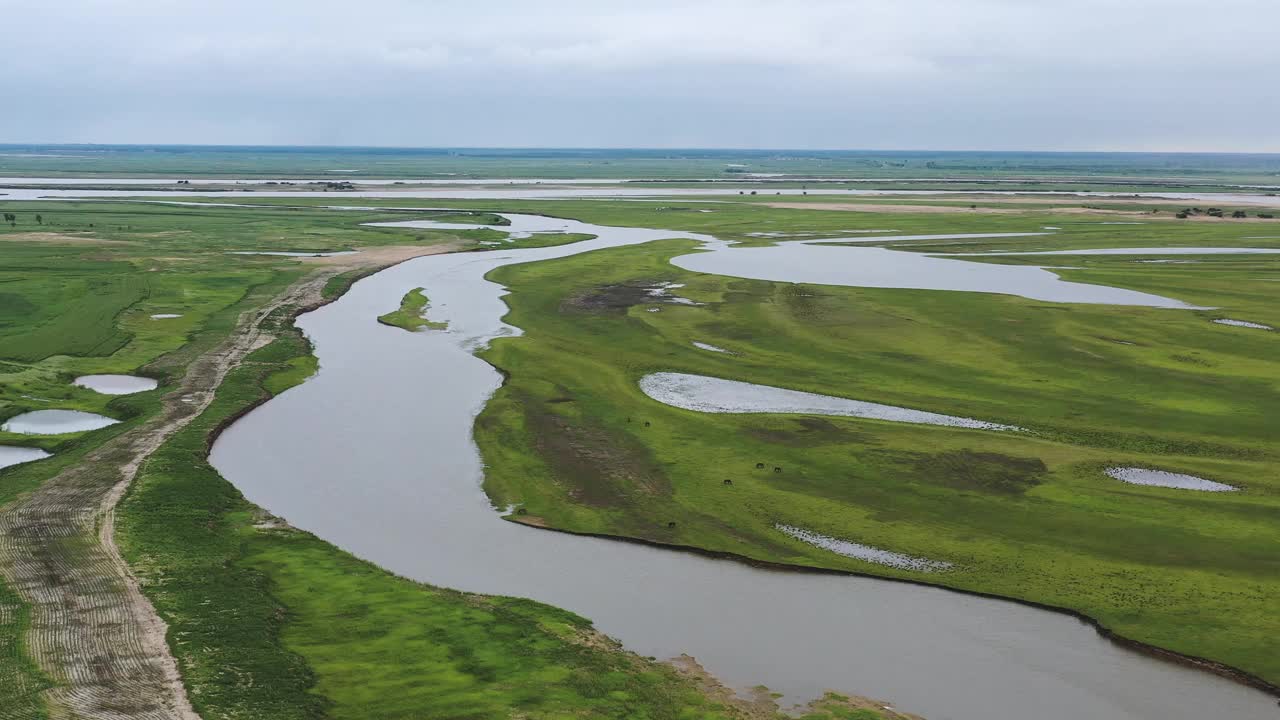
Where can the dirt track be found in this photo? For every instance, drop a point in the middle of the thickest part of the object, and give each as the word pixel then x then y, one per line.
pixel 92 630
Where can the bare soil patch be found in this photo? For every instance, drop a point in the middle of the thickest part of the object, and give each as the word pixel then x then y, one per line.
pixel 59 238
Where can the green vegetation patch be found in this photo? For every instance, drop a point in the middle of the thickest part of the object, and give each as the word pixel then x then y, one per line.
pixel 410 315
pixel 20 680
pixel 46 311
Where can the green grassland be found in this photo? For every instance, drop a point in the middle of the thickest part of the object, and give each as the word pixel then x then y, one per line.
pixel 78 287
pixel 1031 516
pixel 410 315
pixel 743 219
pixel 267 621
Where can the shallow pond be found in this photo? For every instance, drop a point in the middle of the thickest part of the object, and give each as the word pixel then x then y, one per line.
pixel 716 395
pixel 55 422
pixel 408 402
pixel 116 384
pixel 11 455
pixel 1162 478
pixel 710 348
pixel 854 265
pixel 1243 324
pixel 870 554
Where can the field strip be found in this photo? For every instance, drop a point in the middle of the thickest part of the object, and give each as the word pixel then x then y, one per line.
pixel 92 630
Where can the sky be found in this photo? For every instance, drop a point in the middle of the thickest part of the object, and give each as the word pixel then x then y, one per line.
pixel 1168 75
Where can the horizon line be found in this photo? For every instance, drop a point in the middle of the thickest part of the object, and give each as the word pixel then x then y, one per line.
pixel 632 148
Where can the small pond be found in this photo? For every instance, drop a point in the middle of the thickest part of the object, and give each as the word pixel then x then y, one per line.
pixel 1243 324
pixel 716 395
pixel 868 553
pixel 55 422
pixel 12 455
pixel 116 384
pixel 1162 478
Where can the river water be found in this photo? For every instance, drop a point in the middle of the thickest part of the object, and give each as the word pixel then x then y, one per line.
pixel 375 455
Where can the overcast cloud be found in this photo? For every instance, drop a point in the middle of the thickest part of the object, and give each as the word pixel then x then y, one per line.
pixel 879 74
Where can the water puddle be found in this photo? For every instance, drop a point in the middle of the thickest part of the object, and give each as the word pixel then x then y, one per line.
pixel 11 455
pixel 870 554
pixel 711 348
pixel 1243 324
pixel 715 395
pixel 55 422
pixel 116 384
pixel 662 293
pixel 1161 478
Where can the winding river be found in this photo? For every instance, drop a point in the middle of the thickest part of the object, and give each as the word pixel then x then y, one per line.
pixel 375 454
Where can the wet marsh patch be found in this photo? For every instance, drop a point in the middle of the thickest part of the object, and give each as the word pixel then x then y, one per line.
pixel 596 467
pixel 610 299
pixel 985 472
pixel 807 432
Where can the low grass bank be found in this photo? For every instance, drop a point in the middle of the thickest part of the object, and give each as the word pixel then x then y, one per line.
pixel 537 240
pixel 573 441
